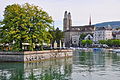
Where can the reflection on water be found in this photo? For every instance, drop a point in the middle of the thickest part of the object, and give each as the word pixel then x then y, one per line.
pixel 96 66
pixel 47 70
pixel 83 66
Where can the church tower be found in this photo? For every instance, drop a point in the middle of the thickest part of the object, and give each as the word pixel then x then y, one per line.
pixel 69 21
pixel 65 21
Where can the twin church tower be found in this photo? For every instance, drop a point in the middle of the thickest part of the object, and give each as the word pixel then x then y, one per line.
pixel 67 21
pixel 72 33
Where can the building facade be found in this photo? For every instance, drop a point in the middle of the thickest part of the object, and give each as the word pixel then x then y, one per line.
pixel 75 40
pixel 102 33
pixel 71 32
pixel 117 35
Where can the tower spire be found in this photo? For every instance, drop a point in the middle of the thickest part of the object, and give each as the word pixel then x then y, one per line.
pixel 90 20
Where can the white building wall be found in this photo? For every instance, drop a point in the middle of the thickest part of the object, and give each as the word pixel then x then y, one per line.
pixel 118 36
pixel 102 35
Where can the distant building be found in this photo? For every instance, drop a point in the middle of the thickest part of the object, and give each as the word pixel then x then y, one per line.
pixel 71 32
pixel 117 35
pixel 102 33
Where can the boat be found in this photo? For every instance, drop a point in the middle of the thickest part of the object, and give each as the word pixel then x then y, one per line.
pixel 97 49
pixel 116 50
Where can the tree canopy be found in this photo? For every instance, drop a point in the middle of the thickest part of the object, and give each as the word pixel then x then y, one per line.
pixel 111 42
pixel 82 36
pixel 25 24
pixel 87 42
pixel 57 36
pixel 102 41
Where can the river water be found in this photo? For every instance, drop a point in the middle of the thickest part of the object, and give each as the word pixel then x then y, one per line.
pixel 82 66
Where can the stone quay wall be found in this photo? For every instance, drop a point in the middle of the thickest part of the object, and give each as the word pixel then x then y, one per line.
pixel 29 56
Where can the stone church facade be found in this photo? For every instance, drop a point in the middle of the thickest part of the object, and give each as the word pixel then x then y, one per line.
pixel 72 33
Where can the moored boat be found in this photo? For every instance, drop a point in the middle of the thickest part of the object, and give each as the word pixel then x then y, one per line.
pixel 116 50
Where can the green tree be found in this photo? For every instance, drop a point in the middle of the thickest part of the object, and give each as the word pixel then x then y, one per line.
pixel 109 42
pixel 89 42
pixel 86 42
pixel 83 42
pixel 57 35
pixel 82 36
pixel 116 43
pixel 102 41
pixel 25 24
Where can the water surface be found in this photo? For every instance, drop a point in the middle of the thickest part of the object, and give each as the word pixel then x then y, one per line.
pixel 83 66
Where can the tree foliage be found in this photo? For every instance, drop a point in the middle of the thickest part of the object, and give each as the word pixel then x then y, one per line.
pixel 25 24
pixel 86 42
pixel 82 36
pixel 102 41
pixel 83 42
pixel 111 42
pixel 57 36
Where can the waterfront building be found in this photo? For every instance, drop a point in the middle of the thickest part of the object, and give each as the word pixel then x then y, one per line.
pixel 102 33
pixel 71 31
pixel 117 35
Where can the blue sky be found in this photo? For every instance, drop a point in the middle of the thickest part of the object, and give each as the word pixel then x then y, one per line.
pixel 100 10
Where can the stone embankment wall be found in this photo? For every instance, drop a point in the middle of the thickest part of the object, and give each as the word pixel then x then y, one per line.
pixel 29 56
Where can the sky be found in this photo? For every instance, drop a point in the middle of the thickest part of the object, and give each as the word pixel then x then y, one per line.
pixel 100 10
